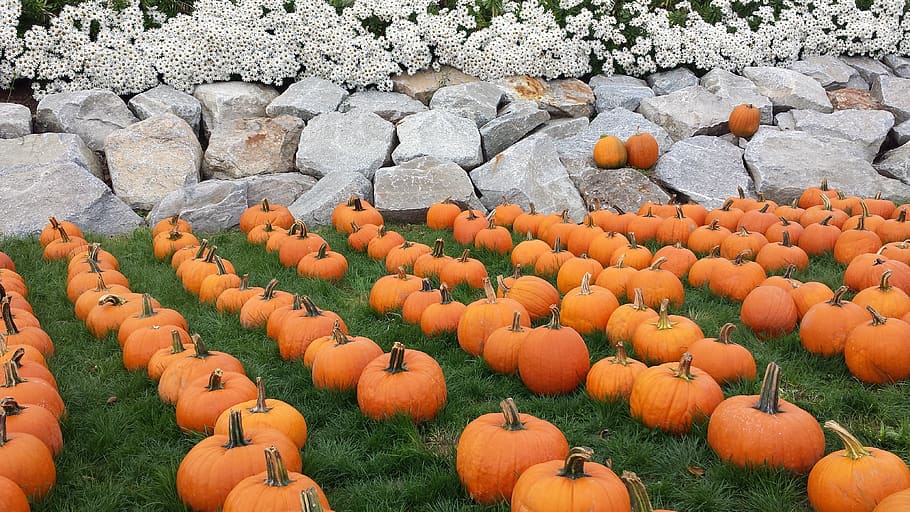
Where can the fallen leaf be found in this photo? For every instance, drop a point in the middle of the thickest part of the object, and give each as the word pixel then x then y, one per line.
pixel 697 471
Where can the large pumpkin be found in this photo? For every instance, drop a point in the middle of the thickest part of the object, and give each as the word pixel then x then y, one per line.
pixel 674 396
pixel 408 382
pixel 553 359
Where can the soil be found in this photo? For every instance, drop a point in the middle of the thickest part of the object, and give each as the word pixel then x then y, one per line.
pixel 21 93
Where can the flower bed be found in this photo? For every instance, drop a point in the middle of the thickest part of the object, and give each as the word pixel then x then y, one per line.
pixel 365 42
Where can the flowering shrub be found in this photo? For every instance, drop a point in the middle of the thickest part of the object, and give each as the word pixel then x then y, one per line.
pixel 367 41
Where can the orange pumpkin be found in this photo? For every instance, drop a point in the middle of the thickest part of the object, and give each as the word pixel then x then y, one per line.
pixel 611 378
pixel 642 150
pixel 408 382
pixel 743 120
pixel 610 152
pixel 553 359
pixel 674 396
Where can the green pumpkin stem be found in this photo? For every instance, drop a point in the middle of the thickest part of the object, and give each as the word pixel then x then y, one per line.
pixel 769 398
pixel 510 414
pixel 663 318
pixel 235 431
pixel 216 381
pixel 852 447
pixel 396 359
pixel 639 495
pixel 575 463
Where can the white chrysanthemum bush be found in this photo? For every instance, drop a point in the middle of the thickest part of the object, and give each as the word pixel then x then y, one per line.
pixel 366 42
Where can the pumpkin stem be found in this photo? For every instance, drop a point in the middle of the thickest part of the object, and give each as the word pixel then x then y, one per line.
pixel 18 354
pixel 110 298
pixel 488 291
pixel 769 399
pixel 837 299
pixel 885 282
pixel 358 205
pixel 309 501
pixel 727 205
pixel 620 261
pixel 510 413
pixel 741 257
pixel 826 220
pixel 265 205
pixel 684 370
pixel 295 227
pixel 621 356
pixel 269 291
pixel 785 239
pixel 516 322
pixel 64 238
pixel 724 335
pixel 338 335
pixel 260 406
pixel 657 263
pixel 438 248
pixel 310 306
pixel 852 447
pixel 11 406
pixel 244 282
pixel 824 184
pixel 788 273
pixel 235 431
pixel 8 321
pixel 276 471
pixel 148 310
pixel 586 284
pixel 554 317
pixel 902 216
pixel 640 500
pixel 575 463
pixel 11 377
pixel 220 264
pixel 531 209
pixel 464 256
pixel 200 251
pixel 861 224
pixel 54 222
pixel 215 380
pixel 741 192
pixel 557 245
pixel 426 285
pixel 3 438
pixel 304 231
pixel 354 227
pixel 445 296
pixel 632 243
pixel 877 318
pixel 320 254
pixel 93 266
pixel 826 203
pixel 396 359
pixel 663 319
pixel 176 342
pixel 784 221
pixel 715 225
pixel 503 287
pixel 174 235
pixel 638 300
pixel 200 350
pixel 763 209
pixel 297 303
pixel 516 271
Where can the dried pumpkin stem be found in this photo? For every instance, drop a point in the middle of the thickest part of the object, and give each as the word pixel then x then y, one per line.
pixel 621 356
pixel 510 413
pixel 853 448
pixel 586 284
pixel 554 317
pixel 640 500
pixel 148 309
pixel 877 318
pixel 309 501
pixel 396 359
pixel 176 342
pixel 885 281
pixel 3 438
pixel 276 471
pixel 199 348
pixel 445 296
pixel 663 318
pixel 235 431
pixel 574 467
pixel 216 381
pixel 260 406
pixel 684 370
pixel 769 399
pixel 724 335
pixel 8 321
pixel 269 291
pixel 438 248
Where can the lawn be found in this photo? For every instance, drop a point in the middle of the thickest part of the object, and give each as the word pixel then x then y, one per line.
pixel 122 445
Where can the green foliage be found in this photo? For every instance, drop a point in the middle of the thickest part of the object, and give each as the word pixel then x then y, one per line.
pixel 123 453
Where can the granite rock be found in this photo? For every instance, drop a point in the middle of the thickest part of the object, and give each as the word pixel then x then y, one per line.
pixel 210 206
pixel 391 106
pixel 15 120
pixel 691 168
pixel 439 134
pixel 225 101
pixel 91 114
pixel 247 147
pixel 44 148
pixel 788 89
pixel 307 98
pixel 165 98
pixel 316 204
pixel 355 141
pixel 403 193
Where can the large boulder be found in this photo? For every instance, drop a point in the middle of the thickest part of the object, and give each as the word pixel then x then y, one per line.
pixel 738 90
pixel 784 163
pixel 31 193
pixel 867 67
pixel 899 65
pixel 247 147
pixel 567 97
pixel 316 204
pixel 282 188
pixel 391 106
pixel 618 91
pixel 619 122
pixel 44 148
pixel 665 82
pixel 422 84
pixel 562 127
pixel 439 134
pixel 788 89
pixel 894 95
pixel 403 193
pixel 226 101
pixel 477 101
pixel 91 114
pixel 853 99
pixel 688 111
pixel 515 120
pixel 15 120
pixel 900 134
pixel 307 99
pixel 830 72
pixel 210 206
pixel 867 129
pixel 895 164
pixel 165 98
pixel 691 168
pixel 624 188
pixel 152 158
pixel 356 141
pixel 529 172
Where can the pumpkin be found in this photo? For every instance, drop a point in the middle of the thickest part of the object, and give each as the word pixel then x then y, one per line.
pixel 528 222
pixel 431 264
pixel 741 241
pixel 769 311
pixel 465 270
pixel 256 310
pixel 144 342
pixel 743 120
pixel 339 365
pixel 776 256
pixel 572 271
pixel 216 464
pixel 674 396
pixel 26 366
pixel 494 449
pixel 33 420
pixel 261 234
pixel 897 502
pixel 207 396
pixel 656 284
pixel 442 215
pixel 555 226
pixel 269 413
pixel 642 150
pixel 6 262
pixel 549 263
pixel 274 489
pixel 493 238
pixel 214 284
pixel 894 230
pixel 856 478
pixel 111 310
pixel 820 237
pixel 722 359
pixel 51 231
pixel 678 259
pixel 626 318
pixel 820 212
pixel 193 272
pixel 149 315
pixel 602 247
pixel 634 255
pixel 389 292
pixel 735 281
pixel 384 241
pixel 675 229
pixel 323 264
pixel 501 348
pixel 667 338
pixel 263 212
pixel 611 378
pixel 183 370
pixel 466 226
pixel 60 248
pixel 897 251
pixel 775 232
pixel 295 247
pixel 869 219
pixel 878 352
pixel 526 252
pixel 30 463
pixel 357 211
pixel 309 355
pixel 162 358
pixel 298 330
pixel 580 239
pixel 483 316
pixel 811 196
pixel 645 225
pixel 587 308
pixel 232 299
pixel 574 485
pixel 405 255
pixel 404 381
pixel 825 327
pixel 360 236
pixel 165 244
pixel 886 299
pixel 441 317
pixel 26 335
pixel 727 215
pixel 12 496
pixel 610 152
pixel 414 305
pixel 553 359
pixel 189 252
pixel 856 241
pixel 32 391
pixel 808 294
pixel 616 278
pixel 766 430
pixel 639 495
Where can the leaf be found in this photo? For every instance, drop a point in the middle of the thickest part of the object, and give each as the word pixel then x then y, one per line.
pixel 695 470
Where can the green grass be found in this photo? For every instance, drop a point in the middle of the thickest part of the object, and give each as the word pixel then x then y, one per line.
pixel 123 454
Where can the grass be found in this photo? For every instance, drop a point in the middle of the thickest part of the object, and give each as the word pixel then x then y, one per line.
pixel 122 445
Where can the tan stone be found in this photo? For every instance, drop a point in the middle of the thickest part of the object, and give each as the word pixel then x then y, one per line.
pixel 423 84
pixel 247 147
pixel 860 99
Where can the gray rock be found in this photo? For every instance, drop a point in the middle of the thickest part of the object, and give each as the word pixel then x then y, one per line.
pixel 783 163
pixel 282 188
pixel 866 129
pixel 830 72
pixel 31 193
pixel 356 141
pixel 404 192
pixel 477 101
pixel 422 84
pixel 45 148
pixel 619 122
pixel 247 147
pixel 788 89
pixel 625 188
pixel 316 204
pixel 91 114
pixel 894 95
pixel 562 127
pixel 307 98
pixel 665 82
pixel 691 168
pixel 15 120
pixel 391 106
pixel 738 90
pixel 899 65
pixel 165 98
pixel 440 134
pixel 900 134
pixel 515 120
pixel 895 164
pixel 601 79
pixel 527 172
pixel 620 94
pixel 226 101
pixel 568 97
pixel 210 206
pixel 150 159
pixel 688 111
pixel 867 67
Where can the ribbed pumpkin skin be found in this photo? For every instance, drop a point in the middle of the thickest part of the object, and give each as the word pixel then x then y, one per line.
pixel 672 397
pixel 610 152
pixel 491 453
pixel 611 378
pixel 897 502
pixel 273 489
pixel 28 462
pixel 419 391
pixel 553 359
pixel 722 359
pixel 769 311
pixel 339 365
pixel 483 316
pixel 825 327
pixel 198 407
pixel 267 413
pixel 34 420
pixel 12 497
pixel 878 352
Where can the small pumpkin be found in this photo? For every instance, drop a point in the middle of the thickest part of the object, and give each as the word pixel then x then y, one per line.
pixel 610 152
pixel 30 463
pixel 744 119
pixel 611 378
pixel 442 317
pixel 553 359
pixel 722 359
pixel 265 412
pixel 642 150
pixel 878 352
pixel 274 489
pixel 277 215
pixel 769 311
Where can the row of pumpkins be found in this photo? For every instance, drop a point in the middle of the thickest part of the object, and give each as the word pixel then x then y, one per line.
pixel 559 344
